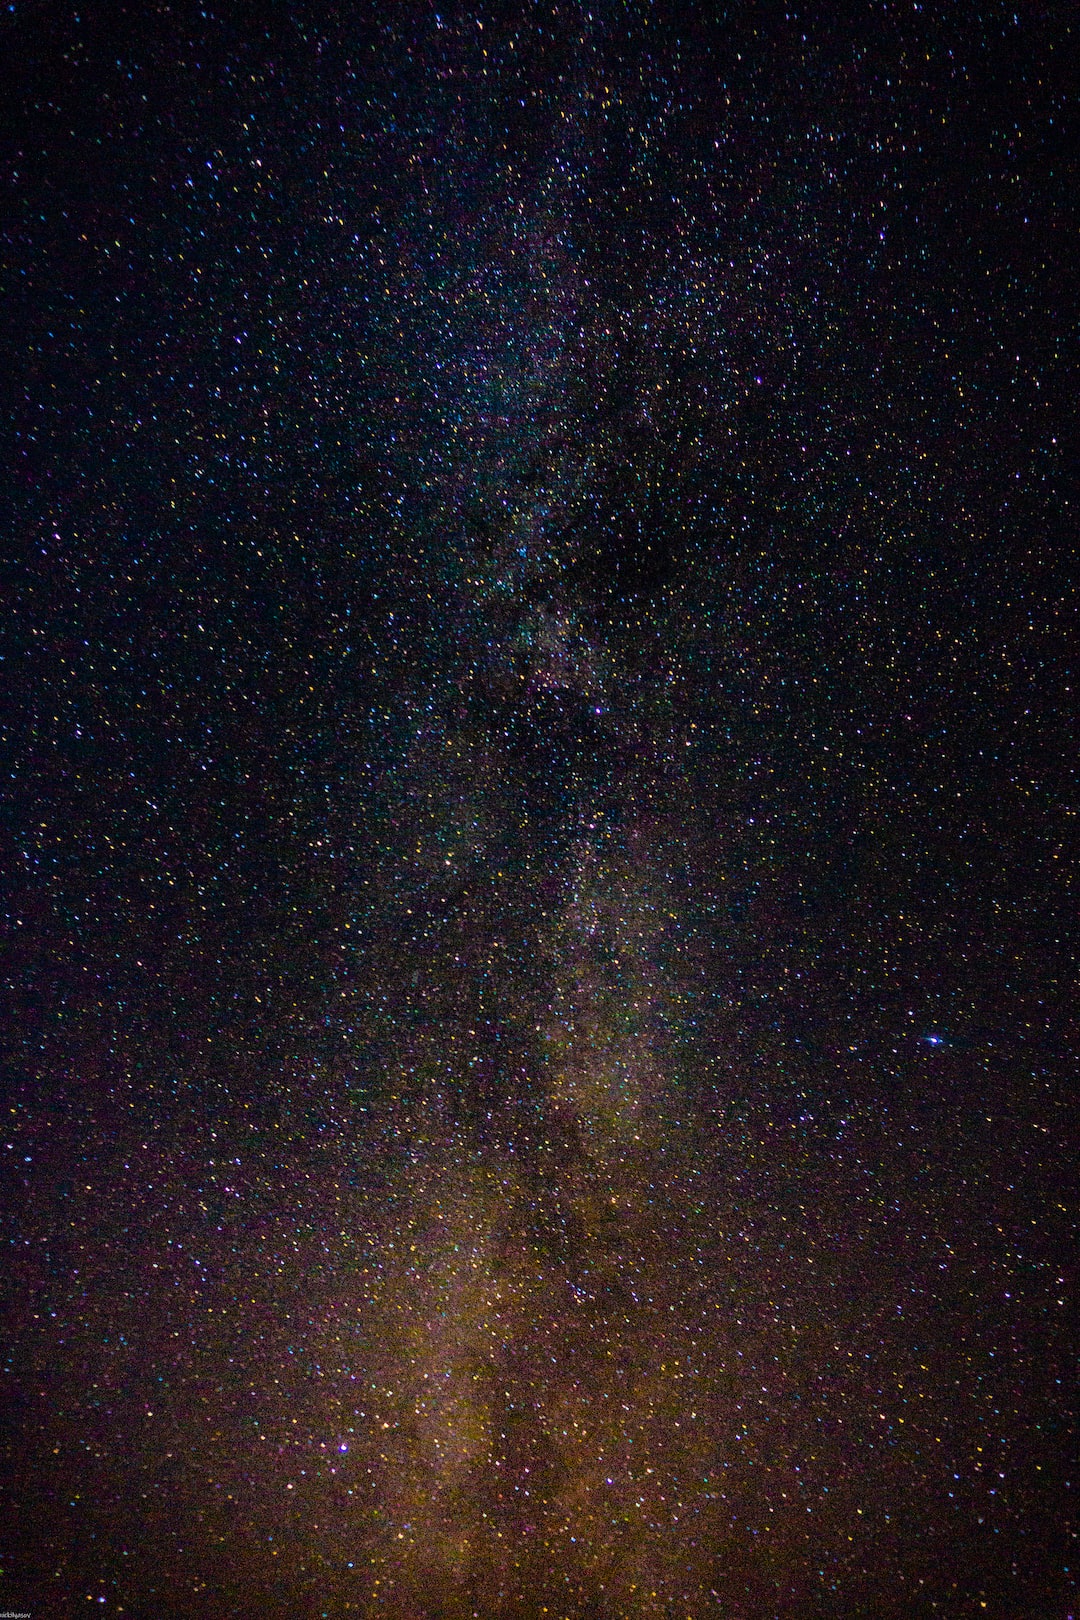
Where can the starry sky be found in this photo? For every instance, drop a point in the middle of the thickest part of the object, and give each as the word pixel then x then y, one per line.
pixel 540 811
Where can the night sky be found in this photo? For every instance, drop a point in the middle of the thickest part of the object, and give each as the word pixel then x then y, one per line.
pixel 538 669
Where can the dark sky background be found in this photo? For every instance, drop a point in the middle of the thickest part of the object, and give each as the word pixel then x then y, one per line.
pixel 540 811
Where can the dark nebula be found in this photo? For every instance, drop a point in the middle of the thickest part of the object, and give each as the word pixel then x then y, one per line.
pixel 539 880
